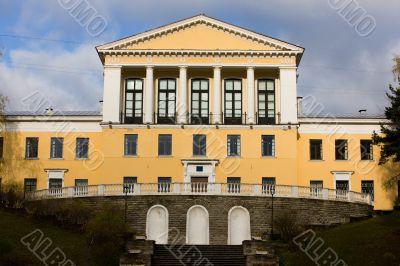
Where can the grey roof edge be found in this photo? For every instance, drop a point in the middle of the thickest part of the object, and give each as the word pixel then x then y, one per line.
pixel 53 113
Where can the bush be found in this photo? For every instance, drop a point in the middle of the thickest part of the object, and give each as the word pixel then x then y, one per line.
pixel 12 195
pixel 105 233
pixel 288 224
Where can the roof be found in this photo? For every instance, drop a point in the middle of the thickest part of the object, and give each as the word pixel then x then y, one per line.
pixel 54 113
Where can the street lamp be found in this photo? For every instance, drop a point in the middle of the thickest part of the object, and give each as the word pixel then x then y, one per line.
pixel 126 190
pixel 272 190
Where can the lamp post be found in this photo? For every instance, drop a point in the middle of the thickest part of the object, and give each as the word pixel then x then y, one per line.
pixel 126 189
pixel 272 190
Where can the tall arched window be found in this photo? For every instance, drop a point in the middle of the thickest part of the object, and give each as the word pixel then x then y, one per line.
pixel 166 101
pixel 266 101
pixel 199 101
pixel 133 101
pixel 233 101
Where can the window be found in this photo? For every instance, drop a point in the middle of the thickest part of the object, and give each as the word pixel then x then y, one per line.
pixel 82 148
pixel 233 101
pixel 268 145
pixel 31 149
pixel 366 149
pixel 131 144
pixel 199 145
pixel 199 101
pixel 367 187
pixel 341 149
pixel 164 184
pixel 233 145
pixel 129 184
pixel 55 183
pixel 315 149
pixel 166 101
pixel 164 144
pixel 342 185
pixel 267 184
pixel 266 101
pixel 133 101
pixel 233 184
pixel 30 184
pixel 56 150
pixel 1 147
pixel 316 187
pixel 81 187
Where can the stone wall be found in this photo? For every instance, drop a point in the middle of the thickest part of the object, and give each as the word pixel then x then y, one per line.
pixel 308 211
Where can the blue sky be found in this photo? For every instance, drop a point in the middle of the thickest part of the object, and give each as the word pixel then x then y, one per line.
pixel 344 71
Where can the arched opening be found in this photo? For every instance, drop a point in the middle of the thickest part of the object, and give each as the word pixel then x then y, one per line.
pixel 157 224
pixel 238 225
pixel 197 226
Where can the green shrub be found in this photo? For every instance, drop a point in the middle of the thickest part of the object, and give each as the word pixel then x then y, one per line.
pixel 288 224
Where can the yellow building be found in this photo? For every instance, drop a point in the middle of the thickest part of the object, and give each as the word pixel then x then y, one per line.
pixel 196 106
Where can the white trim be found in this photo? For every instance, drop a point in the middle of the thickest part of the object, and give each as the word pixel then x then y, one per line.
pixel 248 229
pixel 187 176
pixel 187 223
pixel 165 237
pixel 226 65
pixel 200 19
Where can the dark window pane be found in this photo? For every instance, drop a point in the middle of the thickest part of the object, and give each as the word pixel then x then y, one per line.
pixel 131 144
pixel 199 101
pixel 266 101
pixel 56 150
pixel 199 145
pixel 133 101
pixel 367 187
pixel 366 149
pixel 30 184
pixel 166 101
pixel 233 145
pixel 316 187
pixel 164 184
pixel 268 145
pixel 341 149
pixel 233 184
pixel 233 101
pixel 55 183
pixel 268 183
pixel 315 149
pixel 165 145
pixel 82 148
pixel 31 150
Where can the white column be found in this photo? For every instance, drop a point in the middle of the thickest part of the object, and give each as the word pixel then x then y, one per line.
pixel 182 104
pixel 250 95
pixel 288 91
pixel 112 94
pixel 217 96
pixel 149 96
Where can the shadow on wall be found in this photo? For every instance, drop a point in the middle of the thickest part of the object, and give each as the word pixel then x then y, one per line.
pixel 390 180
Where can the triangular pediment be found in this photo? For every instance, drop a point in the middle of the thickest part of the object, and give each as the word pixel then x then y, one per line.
pixel 200 33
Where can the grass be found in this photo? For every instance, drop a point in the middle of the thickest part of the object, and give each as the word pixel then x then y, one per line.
pixel 13 226
pixel 371 242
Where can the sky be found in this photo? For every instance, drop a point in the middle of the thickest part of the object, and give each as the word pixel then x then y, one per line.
pixel 45 50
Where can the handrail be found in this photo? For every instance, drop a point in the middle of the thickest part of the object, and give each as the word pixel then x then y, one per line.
pixel 201 188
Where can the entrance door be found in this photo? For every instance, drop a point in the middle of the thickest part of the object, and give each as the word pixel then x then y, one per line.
pixel 197 226
pixel 199 183
pixel 342 189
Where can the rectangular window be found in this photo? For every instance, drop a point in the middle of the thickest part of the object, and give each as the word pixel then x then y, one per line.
pixel 164 184
pixel 31 149
pixel 56 149
pixel 166 101
pixel 268 145
pixel 267 184
pixel 316 187
pixel 233 145
pixel 164 144
pixel 233 184
pixel 367 187
pixel 30 184
pixel 133 101
pixel 82 148
pixel 81 187
pixel 1 147
pixel 129 184
pixel 199 101
pixel 366 149
pixel 55 183
pixel 266 101
pixel 131 144
pixel 315 149
pixel 233 102
pixel 341 149
pixel 199 145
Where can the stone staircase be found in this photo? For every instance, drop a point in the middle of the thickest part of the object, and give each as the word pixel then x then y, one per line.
pixel 198 255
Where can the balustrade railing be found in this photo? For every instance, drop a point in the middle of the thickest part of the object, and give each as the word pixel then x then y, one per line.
pixel 200 188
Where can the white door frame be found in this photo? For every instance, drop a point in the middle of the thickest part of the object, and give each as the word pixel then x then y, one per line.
pixel 248 229
pixel 187 175
pixel 164 238
pixel 342 176
pixel 188 224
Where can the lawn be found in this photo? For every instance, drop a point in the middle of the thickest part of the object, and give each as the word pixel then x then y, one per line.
pixel 14 226
pixel 371 242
